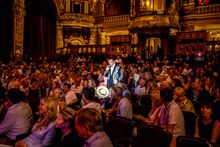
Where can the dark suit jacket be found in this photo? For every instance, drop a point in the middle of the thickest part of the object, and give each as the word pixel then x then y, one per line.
pixel 117 74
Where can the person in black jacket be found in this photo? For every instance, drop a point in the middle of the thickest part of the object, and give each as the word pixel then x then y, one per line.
pixel 66 135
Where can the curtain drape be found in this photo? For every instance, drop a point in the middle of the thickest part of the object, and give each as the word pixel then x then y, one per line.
pixel 5 30
pixel 39 37
pixel 40 30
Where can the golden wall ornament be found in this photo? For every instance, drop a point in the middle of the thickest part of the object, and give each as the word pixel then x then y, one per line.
pixel 150 21
pixel 59 36
pixel 93 36
pixel 79 18
pixel 18 22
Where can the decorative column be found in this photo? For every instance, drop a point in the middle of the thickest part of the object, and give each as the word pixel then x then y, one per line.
pixel 134 38
pixel 102 9
pixel 67 6
pixel 59 36
pixel 132 8
pixel 108 41
pixel 18 27
pixel 86 7
pixel 93 36
pixel 103 38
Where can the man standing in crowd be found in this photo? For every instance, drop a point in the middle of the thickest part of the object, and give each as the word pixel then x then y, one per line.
pixel 113 73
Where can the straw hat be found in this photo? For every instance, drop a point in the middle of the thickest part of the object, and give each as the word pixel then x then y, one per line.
pixel 102 92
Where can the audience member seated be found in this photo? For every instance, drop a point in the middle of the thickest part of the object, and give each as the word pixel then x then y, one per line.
pixel 141 88
pixel 34 95
pixel 65 123
pixel 170 116
pixel 77 85
pixel 122 105
pixel 198 94
pixel 2 102
pixel 58 95
pixel 184 103
pixel 55 84
pixel 206 127
pixel 88 97
pixel 70 96
pixel 216 116
pixel 88 124
pixel 155 108
pixel 43 131
pixel 18 118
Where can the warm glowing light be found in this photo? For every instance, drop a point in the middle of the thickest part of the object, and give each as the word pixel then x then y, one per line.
pixel 147 3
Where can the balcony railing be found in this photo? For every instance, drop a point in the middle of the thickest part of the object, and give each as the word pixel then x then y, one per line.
pixel 116 19
pixel 208 9
pixel 77 17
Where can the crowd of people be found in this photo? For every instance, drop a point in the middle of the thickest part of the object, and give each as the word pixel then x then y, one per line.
pixel 57 104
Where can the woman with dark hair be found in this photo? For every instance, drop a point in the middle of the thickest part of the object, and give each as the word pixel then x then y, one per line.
pixel 205 122
pixel 208 123
pixel 216 128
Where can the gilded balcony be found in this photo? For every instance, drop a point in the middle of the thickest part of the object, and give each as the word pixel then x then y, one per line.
pixel 116 19
pixel 154 22
pixel 207 9
pixel 78 19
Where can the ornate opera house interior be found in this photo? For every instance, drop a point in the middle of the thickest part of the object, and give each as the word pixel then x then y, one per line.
pixel 52 28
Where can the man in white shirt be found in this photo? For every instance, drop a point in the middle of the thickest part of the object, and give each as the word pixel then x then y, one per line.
pixel 124 106
pixel 141 88
pixel 170 116
pixel 70 96
pixel 18 119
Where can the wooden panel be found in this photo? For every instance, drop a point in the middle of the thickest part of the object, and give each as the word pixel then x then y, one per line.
pixel 120 38
pixel 192 35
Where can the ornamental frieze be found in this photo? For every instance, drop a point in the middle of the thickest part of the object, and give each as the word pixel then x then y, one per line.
pixel 153 21
pixel 79 18
pixel 74 24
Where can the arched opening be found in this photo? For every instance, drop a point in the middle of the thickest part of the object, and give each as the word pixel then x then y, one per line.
pixel 40 29
pixel 6 21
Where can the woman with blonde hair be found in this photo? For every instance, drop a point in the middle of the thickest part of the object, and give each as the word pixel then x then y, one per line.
pixel 43 131
pixel 180 98
pixel 155 108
